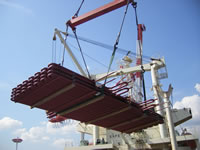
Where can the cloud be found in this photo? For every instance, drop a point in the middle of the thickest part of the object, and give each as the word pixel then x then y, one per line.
pixel 197 87
pixel 16 6
pixel 44 131
pixel 45 138
pixel 19 131
pixel 60 143
pixel 34 134
pixel 195 130
pixel 7 123
pixel 50 128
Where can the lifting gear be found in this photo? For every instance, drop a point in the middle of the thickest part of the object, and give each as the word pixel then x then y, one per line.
pixel 115 4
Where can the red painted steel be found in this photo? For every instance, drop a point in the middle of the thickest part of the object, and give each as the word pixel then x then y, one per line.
pixel 66 93
pixel 17 140
pixel 140 28
pixel 75 21
pixel 119 118
pixel 101 108
pixel 57 119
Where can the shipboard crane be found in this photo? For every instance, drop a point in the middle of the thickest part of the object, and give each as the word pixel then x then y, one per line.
pixel 55 88
pixel 137 70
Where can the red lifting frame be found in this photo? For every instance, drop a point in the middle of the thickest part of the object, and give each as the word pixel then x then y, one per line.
pixel 75 21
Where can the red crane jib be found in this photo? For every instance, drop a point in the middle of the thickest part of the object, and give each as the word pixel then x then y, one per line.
pixel 75 21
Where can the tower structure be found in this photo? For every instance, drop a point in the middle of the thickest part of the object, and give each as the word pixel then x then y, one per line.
pixel 17 141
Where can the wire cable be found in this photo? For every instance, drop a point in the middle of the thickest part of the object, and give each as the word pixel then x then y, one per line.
pixel 106 46
pixel 81 53
pixel 134 4
pixel 52 51
pixel 77 12
pixel 53 58
pixel 117 41
pixel 90 57
pixel 63 56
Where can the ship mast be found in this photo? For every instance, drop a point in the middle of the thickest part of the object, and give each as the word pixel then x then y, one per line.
pixel 139 75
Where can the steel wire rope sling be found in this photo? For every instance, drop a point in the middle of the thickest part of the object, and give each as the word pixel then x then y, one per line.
pixel 77 12
pixel 54 49
pixel 77 40
pixel 117 42
pixel 134 4
pixel 82 53
pixel 88 55
pixel 63 56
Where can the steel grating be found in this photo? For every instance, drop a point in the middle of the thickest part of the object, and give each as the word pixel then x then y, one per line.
pixel 71 95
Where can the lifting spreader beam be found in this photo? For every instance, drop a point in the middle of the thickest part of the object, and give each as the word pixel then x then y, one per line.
pixel 75 21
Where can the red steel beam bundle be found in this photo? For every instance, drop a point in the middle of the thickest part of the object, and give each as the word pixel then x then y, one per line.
pixel 68 94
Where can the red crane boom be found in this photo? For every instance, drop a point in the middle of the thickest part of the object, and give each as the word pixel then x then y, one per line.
pixel 75 21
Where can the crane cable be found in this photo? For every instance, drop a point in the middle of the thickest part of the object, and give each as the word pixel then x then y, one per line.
pixel 95 60
pixel 77 12
pixel 134 4
pixel 106 46
pixel 63 56
pixel 77 40
pixel 81 53
pixel 53 58
pixel 75 15
pixel 117 41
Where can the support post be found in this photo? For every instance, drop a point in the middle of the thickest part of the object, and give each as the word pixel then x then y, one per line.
pixel 169 118
pixel 139 76
pixel 16 146
pixel 197 143
pixel 82 136
pixel 159 108
pixel 95 134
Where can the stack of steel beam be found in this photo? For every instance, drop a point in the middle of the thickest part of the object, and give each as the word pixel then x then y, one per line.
pixel 66 93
